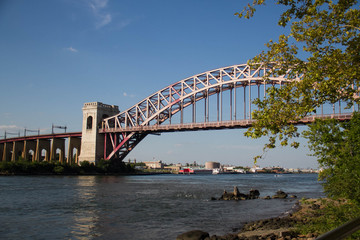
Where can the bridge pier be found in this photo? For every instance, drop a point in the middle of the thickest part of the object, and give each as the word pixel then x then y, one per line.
pixel 2 145
pixel 42 144
pixel 29 145
pixel 57 143
pixel 6 157
pixel 73 142
pixel 18 147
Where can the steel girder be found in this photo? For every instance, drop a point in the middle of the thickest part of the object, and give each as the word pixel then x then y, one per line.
pixel 161 105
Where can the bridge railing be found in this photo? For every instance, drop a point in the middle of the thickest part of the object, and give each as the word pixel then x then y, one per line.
pixel 339 116
pixel 217 125
pixel 185 126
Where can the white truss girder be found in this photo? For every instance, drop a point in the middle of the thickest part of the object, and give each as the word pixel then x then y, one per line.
pixel 183 92
pixel 162 105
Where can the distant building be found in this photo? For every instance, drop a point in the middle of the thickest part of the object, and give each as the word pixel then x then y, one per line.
pixel 255 169
pixel 155 165
pixel 212 165
pixel 174 168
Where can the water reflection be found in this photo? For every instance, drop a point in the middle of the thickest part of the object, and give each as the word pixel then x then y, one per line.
pixel 85 208
pixel 96 197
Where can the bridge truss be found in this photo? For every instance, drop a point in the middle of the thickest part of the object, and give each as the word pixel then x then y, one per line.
pixel 243 83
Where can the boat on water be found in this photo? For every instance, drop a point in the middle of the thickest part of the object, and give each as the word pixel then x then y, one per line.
pixel 223 171
pixel 195 171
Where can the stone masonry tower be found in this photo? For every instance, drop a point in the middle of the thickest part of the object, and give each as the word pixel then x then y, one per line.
pixel 92 142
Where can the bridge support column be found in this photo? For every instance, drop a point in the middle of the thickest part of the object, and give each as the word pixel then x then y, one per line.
pixel 2 148
pixel 92 142
pixel 29 145
pixel 57 143
pixel 17 150
pixel 73 142
pixel 40 145
pixel 6 157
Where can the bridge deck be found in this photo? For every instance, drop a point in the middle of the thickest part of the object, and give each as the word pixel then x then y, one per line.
pixel 43 136
pixel 217 125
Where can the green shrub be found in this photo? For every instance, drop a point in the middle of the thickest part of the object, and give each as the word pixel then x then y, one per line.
pixel 334 214
pixel 59 169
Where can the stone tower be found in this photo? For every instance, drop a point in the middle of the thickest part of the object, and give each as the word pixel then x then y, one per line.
pixel 92 142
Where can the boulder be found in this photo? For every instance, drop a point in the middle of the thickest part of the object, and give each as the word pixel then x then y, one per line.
pixel 193 235
pixel 254 194
pixel 226 196
pixel 236 191
pixel 280 194
pixel 237 195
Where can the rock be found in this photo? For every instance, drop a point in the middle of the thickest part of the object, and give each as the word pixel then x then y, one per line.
pixel 280 194
pixel 227 196
pixel 254 194
pixel 237 195
pixel 267 197
pixel 229 237
pixel 310 235
pixel 242 196
pixel 193 235
pixel 286 234
pixel 236 191
pixel 315 206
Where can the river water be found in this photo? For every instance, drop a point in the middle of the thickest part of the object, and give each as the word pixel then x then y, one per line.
pixel 139 207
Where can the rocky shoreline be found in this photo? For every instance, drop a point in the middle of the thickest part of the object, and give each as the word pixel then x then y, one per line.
pixel 282 227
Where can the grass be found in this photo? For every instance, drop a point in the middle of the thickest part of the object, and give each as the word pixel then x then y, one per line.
pixel 323 215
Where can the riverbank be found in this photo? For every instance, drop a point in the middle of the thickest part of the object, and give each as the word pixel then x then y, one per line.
pixel 283 227
pixel 304 221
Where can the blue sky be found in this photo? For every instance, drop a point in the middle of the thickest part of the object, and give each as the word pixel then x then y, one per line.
pixel 56 55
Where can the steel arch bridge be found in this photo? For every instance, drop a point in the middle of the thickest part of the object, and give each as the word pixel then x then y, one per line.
pixel 156 113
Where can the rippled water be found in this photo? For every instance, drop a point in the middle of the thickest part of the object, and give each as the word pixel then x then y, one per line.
pixel 138 207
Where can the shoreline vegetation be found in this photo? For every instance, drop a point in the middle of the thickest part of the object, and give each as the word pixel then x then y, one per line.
pixel 102 167
pixel 308 219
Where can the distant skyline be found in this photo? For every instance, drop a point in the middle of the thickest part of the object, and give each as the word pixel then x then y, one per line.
pixel 57 55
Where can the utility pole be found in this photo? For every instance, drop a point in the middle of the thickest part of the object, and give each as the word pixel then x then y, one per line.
pixel 60 127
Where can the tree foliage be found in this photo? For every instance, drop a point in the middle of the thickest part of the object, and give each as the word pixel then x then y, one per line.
pixel 337 148
pixel 323 47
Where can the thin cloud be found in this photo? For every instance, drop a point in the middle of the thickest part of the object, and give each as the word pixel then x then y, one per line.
pixel 71 49
pixel 123 24
pixel 103 20
pixel 98 7
pixel 7 127
pixel 98 4
pixel 125 94
pixel 240 147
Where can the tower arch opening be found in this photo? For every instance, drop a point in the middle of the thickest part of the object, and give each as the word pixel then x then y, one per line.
pixel 89 122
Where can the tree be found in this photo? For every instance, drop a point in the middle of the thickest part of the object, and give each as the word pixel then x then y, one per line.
pixel 337 148
pixel 325 31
